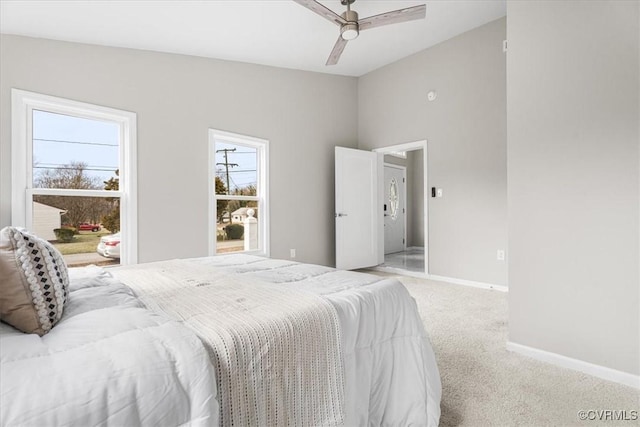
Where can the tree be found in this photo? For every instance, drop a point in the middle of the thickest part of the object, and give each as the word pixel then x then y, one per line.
pixel 221 205
pixel 249 190
pixel 69 176
pixel 72 176
pixel 111 221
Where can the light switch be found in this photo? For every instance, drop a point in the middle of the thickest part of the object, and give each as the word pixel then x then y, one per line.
pixel 439 192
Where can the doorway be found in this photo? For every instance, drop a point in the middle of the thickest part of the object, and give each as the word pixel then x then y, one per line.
pixel 407 162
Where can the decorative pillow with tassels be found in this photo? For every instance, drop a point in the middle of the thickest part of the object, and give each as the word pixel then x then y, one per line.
pixel 34 283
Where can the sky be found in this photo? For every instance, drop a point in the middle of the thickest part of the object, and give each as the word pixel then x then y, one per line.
pixel 245 173
pixel 60 139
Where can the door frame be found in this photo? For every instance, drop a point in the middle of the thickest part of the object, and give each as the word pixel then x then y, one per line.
pixel 412 146
pixel 404 202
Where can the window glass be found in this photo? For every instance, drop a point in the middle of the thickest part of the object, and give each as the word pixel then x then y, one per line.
pixel 63 145
pixel 239 166
pixel 236 169
pixel 231 234
pixel 75 153
pixel 77 226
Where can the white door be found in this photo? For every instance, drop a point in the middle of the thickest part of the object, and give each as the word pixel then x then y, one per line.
pixel 358 216
pixel 394 208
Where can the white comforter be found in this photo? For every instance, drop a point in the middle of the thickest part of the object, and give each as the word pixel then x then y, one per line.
pixel 109 361
pixel 391 377
pixel 275 350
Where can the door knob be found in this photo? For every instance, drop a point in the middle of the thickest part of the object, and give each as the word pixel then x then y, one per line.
pixel 339 215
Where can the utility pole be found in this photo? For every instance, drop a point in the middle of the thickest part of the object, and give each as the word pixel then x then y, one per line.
pixel 227 165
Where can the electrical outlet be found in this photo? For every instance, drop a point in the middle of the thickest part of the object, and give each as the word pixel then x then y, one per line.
pixel 500 255
pixel 292 253
pixel 439 192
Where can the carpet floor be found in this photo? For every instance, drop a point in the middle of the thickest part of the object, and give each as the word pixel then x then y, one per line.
pixel 486 385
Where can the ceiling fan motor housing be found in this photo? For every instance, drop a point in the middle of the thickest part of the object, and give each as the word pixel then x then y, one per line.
pixel 350 30
pixel 350 26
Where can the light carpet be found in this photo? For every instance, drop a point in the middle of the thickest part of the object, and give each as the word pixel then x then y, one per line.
pixel 486 385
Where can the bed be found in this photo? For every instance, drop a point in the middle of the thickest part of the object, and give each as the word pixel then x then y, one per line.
pixel 225 340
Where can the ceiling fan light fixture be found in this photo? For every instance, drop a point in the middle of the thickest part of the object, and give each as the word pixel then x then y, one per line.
pixel 349 31
pixel 350 24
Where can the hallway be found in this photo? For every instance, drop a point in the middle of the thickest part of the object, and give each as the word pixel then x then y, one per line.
pixel 411 259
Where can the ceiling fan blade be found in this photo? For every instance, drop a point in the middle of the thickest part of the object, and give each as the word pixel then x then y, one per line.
pixel 397 16
pixel 337 51
pixel 316 7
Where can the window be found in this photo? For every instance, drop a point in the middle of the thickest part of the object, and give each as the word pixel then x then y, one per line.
pixel 73 177
pixel 238 185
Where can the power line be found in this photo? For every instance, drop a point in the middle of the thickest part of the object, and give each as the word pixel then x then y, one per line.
pixel 64 141
pixel 227 165
pixel 88 168
pixel 241 171
pixel 234 184
pixel 65 165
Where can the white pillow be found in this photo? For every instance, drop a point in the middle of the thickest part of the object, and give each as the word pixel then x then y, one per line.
pixel 34 282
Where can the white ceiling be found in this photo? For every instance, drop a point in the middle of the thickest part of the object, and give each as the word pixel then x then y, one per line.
pixel 280 33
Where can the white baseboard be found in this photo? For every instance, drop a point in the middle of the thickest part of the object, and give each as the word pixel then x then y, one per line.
pixel 421 275
pixel 603 372
pixel 471 283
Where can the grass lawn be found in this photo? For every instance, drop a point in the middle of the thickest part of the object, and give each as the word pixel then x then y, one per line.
pixel 83 243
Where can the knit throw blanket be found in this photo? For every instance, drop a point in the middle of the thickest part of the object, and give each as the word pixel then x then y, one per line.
pixel 277 353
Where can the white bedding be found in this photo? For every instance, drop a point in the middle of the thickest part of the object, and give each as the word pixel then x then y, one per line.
pixel 111 362
pixel 391 377
pixel 276 351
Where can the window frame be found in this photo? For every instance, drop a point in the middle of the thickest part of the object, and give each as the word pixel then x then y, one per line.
pixel 22 191
pixel 262 165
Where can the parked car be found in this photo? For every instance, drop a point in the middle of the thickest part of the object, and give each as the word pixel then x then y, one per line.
pixel 109 246
pixel 85 226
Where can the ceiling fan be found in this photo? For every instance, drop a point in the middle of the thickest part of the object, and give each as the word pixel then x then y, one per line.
pixel 350 25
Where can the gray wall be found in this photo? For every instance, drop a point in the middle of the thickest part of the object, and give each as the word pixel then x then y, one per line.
pixel 415 188
pixel 394 160
pixel 415 194
pixel 466 132
pixel 177 99
pixel 573 120
pixel 415 206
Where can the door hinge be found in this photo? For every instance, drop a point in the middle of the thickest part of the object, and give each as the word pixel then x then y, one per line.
pixel 402 179
pixel 402 210
pixel 403 241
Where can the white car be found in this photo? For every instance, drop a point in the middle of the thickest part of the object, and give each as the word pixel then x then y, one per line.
pixel 109 246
